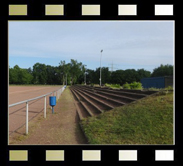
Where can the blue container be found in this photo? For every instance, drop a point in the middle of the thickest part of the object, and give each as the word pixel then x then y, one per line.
pixel 52 100
pixel 153 82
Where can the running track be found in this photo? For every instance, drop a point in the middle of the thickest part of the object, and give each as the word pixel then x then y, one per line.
pixel 21 93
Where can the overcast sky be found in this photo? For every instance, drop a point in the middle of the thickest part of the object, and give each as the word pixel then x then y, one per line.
pixel 125 44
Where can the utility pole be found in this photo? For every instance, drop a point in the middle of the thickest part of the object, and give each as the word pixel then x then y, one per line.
pixel 100 69
pixel 85 76
pixel 112 67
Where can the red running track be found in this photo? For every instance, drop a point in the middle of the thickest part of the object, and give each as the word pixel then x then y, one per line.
pixel 17 114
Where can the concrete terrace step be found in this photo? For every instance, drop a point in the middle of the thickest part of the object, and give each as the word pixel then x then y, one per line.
pixel 86 107
pixel 79 108
pixel 91 101
pixel 102 102
pixel 117 95
pixel 104 97
pixel 97 108
pixel 83 108
pixel 114 95
pixel 122 93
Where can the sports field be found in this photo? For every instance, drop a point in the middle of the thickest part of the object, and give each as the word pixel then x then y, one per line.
pixel 17 114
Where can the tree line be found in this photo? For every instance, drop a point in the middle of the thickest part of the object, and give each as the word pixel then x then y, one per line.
pixel 75 72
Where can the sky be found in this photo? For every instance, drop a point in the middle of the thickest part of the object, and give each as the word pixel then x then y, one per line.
pixel 125 44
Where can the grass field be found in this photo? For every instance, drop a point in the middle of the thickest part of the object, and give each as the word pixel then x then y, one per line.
pixel 147 121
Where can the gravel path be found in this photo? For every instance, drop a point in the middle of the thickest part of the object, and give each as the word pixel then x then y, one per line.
pixel 61 128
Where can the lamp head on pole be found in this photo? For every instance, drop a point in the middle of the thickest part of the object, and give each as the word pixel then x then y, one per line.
pixel 101 50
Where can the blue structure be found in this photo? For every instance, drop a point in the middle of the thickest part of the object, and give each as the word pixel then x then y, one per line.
pixel 157 82
pixel 52 100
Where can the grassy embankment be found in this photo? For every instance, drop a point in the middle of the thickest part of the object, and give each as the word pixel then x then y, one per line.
pixel 147 121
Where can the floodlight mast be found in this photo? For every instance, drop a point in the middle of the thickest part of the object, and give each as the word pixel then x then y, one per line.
pixel 100 69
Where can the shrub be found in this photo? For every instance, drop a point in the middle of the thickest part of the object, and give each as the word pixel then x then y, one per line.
pixel 108 85
pixel 113 85
pixel 92 84
pixel 136 85
pixel 169 88
pixel 126 86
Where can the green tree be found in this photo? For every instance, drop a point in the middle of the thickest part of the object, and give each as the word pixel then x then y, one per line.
pixel 130 75
pixel 75 70
pixel 25 77
pixel 19 76
pixel 97 76
pixel 81 79
pixel 39 73
pixel 105 75
pixel 14 75
pixel 29 70
pixel 67 74
pixel 51 75
pixel 11 75
pixel 90 76
pixel 142 74
pixel 117 77
pixel 62 71
pixel 163 70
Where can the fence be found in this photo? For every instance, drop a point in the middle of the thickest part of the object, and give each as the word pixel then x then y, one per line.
pixel 56 93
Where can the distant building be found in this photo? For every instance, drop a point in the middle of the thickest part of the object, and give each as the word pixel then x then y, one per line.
pixel 157 82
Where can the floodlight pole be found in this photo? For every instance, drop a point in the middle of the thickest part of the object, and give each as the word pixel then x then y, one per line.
pixel 85 76
pixel 100 69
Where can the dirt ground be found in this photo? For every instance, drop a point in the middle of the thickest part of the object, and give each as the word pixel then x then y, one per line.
pixel 60 128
